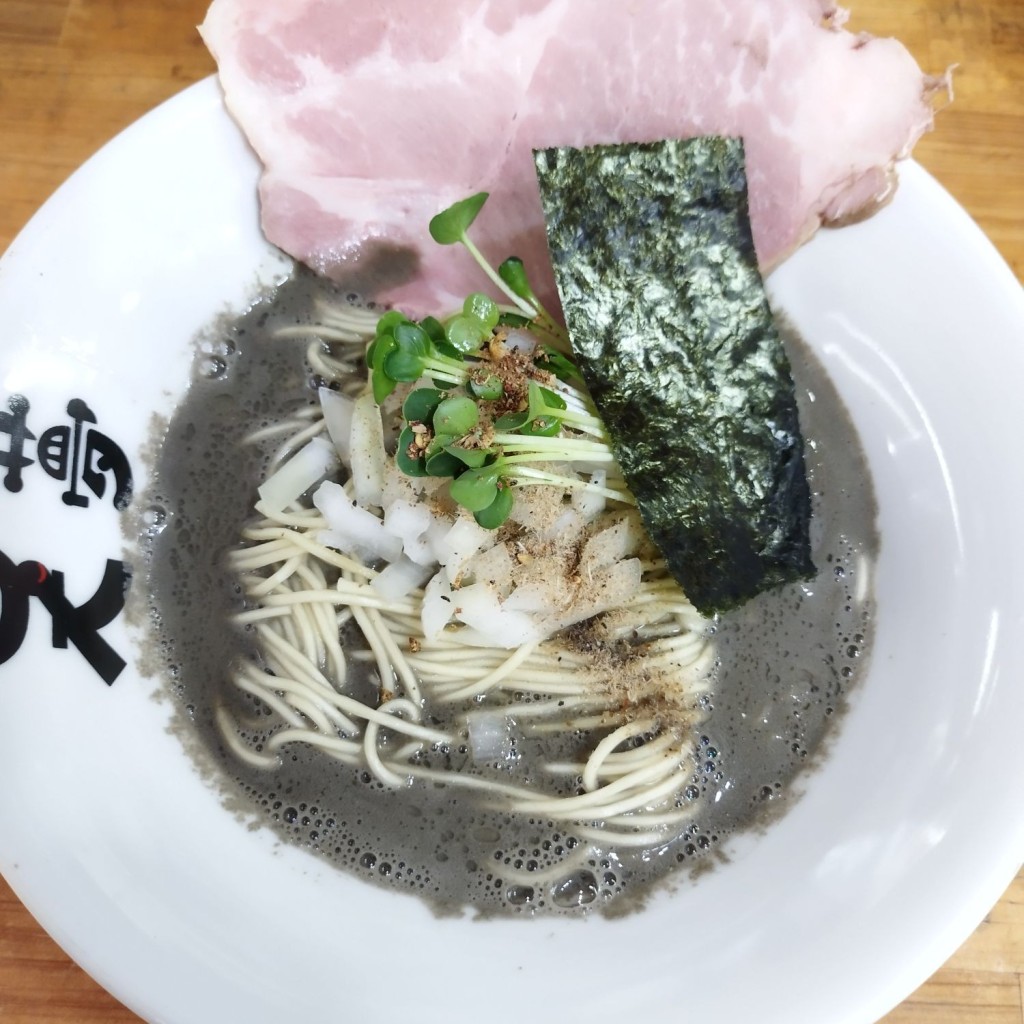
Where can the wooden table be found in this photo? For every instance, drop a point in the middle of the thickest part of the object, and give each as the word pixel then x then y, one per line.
pixel 74 72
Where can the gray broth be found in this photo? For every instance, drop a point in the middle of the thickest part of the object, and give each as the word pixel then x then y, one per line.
pixel 788 659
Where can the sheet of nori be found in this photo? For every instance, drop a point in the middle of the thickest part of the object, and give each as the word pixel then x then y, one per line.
pixel 667 313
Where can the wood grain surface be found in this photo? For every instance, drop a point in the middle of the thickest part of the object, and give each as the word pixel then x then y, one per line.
pixel 75 72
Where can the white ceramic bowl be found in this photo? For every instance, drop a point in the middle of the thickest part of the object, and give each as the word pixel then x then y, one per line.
pixel 899 846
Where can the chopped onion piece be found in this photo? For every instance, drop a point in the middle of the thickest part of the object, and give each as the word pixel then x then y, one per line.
pixel 399 579
pixel 520 341
pixel 478 606
pixel 587 503
pixel 310 464
pixel 606 547
pixel 337 410
pixel 568 523
pixel 409 523
pixel 460 544
pixel 351 528
pixel 611 588
pixel 493 566
pixel 367 452
pixel 431 541
pixel 535 597
pixel 490 736
pixel 437 606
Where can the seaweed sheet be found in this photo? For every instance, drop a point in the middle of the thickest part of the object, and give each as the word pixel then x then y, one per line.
pixel 668 317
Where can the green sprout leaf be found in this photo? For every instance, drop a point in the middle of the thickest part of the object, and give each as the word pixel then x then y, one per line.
pixel 382 387
pixel 543 399
pixel 476 489
pixel 474 458
pixel 437 461
pixel 539 418
pixel 512 421
pixel 513 273
pixel 443 463
pixel 456 416
pixel 438 443
pixel 497 512
pixel 465 333
pixel 541 426
pixel 544 406
pixel 445 348
pixel 413 346
pixel 484 308
pixel 389 321
pixel 548 358
pixel 412 338
pixel 420 404
pixel 514 320
pixel 486 386
pixel 434 328
pixel 404 365
pixel 409 465
pixel 382 384
pixel 450 225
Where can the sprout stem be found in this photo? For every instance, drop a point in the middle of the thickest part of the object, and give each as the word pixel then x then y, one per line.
pixel 582 421
pixel 447 370
pixel 578 448
pixel 599 455
pixel 525 476
pixel 524 307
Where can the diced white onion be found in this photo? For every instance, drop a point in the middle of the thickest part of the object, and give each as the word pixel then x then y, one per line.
pixel 310 464
pixel 587 503
pixel 409 523
pixel 461 543
pixel 490 736
pixel 437 606
pixel 520 341
pixel 611 588
pixel 337 410
pixel 478 606
pixel 568 523
pixel 351 528
pixel 368 457
pixel 492 566
pixel 532 597
pixel 399 579
pixel 433 540
pixel 610 545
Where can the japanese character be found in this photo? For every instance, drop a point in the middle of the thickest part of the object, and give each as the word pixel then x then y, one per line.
pixel 79 625
pixel 13 424
pixel 64 455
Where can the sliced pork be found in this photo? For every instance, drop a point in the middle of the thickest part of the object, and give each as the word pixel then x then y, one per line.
pixel 371 117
